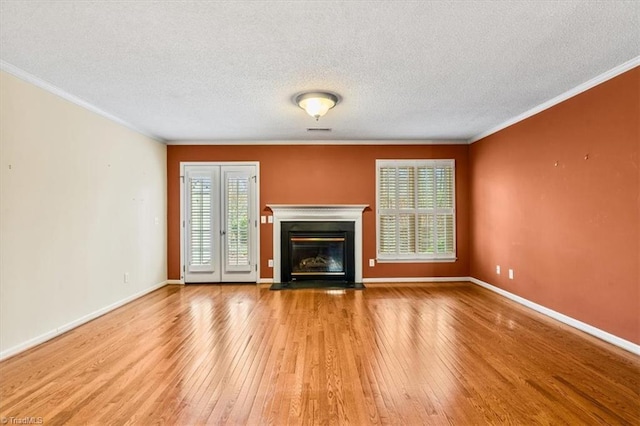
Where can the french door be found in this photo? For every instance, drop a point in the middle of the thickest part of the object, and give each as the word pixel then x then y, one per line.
pixel 219 223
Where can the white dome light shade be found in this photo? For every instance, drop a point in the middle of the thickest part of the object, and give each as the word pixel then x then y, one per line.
pixel 316 104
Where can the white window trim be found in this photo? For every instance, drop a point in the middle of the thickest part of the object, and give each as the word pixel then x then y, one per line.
pixel 416 258
pixel 447 259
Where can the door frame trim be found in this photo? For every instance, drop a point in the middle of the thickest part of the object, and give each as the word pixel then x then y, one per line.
pixel 184 164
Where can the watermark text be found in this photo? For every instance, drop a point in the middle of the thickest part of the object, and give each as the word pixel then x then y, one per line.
pixel 26 420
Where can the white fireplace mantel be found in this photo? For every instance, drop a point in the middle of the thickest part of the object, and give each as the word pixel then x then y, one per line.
pixel 317 212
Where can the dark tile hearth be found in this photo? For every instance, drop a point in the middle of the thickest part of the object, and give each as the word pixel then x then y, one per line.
pixel 325 285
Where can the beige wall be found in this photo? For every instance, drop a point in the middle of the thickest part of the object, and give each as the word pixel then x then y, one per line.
pixel 82 201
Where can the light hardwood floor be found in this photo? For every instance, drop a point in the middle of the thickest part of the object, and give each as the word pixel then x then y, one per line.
pixel 449 353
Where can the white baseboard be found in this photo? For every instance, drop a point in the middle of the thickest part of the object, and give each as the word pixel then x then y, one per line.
pixel 75 323
pixel 596 332
pixel 589 329
pixel 415 280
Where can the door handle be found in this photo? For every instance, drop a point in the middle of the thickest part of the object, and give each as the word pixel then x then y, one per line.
pixel 223 233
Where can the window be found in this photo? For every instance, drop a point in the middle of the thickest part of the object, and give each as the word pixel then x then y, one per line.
pixel 416 216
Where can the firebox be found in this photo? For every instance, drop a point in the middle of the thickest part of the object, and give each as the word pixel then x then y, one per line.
pixel 318 251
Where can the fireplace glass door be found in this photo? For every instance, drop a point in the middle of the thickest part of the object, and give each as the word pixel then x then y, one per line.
pixel 317 251
pixel 317 256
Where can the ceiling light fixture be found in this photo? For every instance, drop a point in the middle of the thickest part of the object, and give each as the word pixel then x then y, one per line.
pixel 316 104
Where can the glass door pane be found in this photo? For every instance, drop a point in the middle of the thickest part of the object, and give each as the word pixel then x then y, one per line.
pixel 202 224
pixel 238 216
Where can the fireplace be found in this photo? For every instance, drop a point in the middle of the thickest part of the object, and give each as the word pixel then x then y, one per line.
pixel 318 251
pixel 299 213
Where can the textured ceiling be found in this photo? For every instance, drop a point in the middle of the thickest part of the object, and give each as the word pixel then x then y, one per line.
pixel 196 70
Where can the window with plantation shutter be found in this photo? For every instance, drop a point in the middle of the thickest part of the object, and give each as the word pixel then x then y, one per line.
pixel 416 210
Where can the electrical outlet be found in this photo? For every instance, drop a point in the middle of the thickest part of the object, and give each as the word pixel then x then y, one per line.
pixel 270 219
pixel 510 274
pixel 372 262
pixel 126 277
pixel 263 219
pixel 498 269
pixel 270 263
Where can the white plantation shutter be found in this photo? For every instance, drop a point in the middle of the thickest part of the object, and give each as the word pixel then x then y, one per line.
pixel 406 233
pixel 444 210
pixel 426 234
pixel 406 187
pixel 237 193
pixel 200 198
pixel 426 187
pixel 387 187
pixel 416 209
pixel 387 241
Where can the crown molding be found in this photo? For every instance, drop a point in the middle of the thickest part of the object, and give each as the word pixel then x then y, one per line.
pixel 30 78
pixel 608 75
pixel 614 72
pixel 322 142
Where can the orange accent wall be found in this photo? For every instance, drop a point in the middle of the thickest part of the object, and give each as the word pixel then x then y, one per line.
pixel 556 197
pixel 324 174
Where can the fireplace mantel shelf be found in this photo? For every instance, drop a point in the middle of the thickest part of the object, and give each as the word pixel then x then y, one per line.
pixel 317 211
pixel 321 207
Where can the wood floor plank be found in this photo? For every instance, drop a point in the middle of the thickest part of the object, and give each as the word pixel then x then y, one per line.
pixel 446 353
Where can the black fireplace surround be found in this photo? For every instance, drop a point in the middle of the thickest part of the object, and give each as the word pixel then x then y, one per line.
pixel 317 251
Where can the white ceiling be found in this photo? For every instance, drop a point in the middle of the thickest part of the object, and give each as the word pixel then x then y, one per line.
pixel 197 70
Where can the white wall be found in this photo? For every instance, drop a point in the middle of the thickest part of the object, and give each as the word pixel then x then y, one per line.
pixel 82 201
